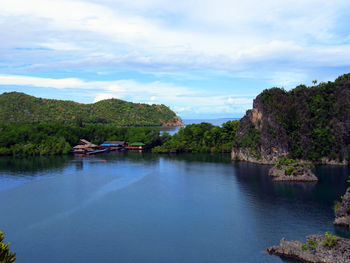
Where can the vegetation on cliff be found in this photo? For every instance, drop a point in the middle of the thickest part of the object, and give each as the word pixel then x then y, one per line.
pixel 310 123
pixel 21 108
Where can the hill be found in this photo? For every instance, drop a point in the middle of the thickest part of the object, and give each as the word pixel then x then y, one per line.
pixel 18 107
pixel 306 123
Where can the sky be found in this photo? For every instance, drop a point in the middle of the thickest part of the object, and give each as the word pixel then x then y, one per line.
pixel 202 58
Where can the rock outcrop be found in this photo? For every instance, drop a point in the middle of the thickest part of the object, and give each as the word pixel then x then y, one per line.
pixel 299 172
pixel 317 249
pixel 306 123
pixel 175 122
pixel 342 213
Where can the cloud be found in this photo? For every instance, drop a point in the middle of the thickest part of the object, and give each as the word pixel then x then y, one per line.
pixel 104 96
pixel 182 35
pixel 173 48
pixel 42 82
pixel 183 100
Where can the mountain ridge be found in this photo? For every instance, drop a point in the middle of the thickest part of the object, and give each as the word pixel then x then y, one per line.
pixel 17 107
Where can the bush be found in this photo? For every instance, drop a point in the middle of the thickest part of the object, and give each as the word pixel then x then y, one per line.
pixel 330 240
pixel 290 170
pixel 312 243
pixel 160 149
pixel 336 206
pixel 304 247
pixel 5 255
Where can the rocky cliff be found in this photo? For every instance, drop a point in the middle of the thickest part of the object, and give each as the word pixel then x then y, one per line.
pixel 306 123
pixel 342 213
pixel 318 249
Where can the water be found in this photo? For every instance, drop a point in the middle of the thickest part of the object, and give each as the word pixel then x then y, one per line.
pixel 173 130
pixel 130 207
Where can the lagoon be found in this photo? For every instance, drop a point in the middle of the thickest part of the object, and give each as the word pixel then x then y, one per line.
pixel 131 207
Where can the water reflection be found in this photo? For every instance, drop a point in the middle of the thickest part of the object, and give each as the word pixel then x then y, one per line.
pixel 31 165
pixel 142 207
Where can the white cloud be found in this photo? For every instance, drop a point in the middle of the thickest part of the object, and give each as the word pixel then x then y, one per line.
pixel 181 99
pixel 277 42
pixel 104 96
pixel 229 35
pixel 42 82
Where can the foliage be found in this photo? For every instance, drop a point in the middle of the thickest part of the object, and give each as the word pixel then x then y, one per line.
pixel 312 243
pixel 58 138
pixel 330 240
pixel 18 107
pixel 290 170
pixel 304 247
pixel 336 206
pixel 203 137
pixel 5 255
pixel 284 161
pixel 308 122
pixel 251 139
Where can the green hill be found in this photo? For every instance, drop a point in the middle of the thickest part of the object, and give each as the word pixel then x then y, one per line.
pixel 18 107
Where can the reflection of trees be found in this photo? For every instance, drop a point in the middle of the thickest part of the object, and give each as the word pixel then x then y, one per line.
pixel 199 157
pixel 330 186
pixel 149 157
pixel 35 164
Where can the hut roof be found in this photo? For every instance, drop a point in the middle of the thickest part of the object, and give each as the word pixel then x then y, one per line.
pixel 87 143
pixel 79 147
pixel 114 142
pixel 137 144
pixel 83 141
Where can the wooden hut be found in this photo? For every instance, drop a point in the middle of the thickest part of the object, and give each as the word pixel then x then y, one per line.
pixel 79 149
pixel 138 146
pixel 113 145
pixel 84 147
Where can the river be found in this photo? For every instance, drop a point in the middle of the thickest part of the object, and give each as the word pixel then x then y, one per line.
pixel 139 208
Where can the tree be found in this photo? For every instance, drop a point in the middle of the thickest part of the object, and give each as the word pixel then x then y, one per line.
pixel 5 255
pixel 314 82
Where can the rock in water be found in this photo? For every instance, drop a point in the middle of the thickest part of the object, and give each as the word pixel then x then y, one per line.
pixel 317 249
pixel 342 214
pixel 295 172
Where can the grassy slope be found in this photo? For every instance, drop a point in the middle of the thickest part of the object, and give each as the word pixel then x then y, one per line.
pixel 21 108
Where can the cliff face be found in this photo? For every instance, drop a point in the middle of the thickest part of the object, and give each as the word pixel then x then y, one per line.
pixel 175 122
pixel 306 123
pixel 342 213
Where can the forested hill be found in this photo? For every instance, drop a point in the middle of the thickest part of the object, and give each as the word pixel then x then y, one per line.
pixel 308 123
pixel 18 107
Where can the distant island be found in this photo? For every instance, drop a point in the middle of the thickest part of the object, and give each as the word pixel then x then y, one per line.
pixel 18 107
pixel 305 123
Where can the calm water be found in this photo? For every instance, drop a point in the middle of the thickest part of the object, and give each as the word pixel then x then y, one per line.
pixel 147 208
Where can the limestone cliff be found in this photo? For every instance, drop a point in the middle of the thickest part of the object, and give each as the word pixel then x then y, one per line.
pixel 306 123
pixel 342 213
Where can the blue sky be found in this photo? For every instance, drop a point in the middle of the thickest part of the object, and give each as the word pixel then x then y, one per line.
pixel 204 59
